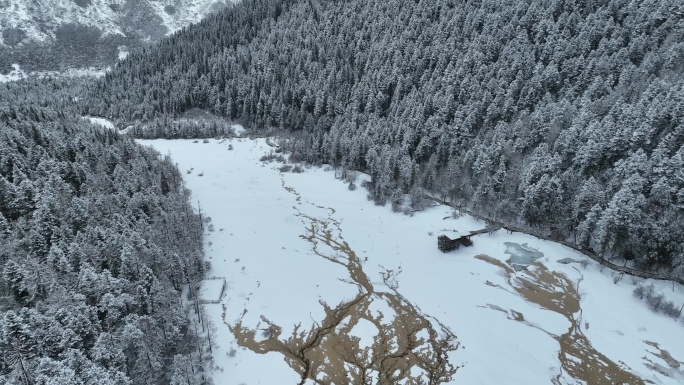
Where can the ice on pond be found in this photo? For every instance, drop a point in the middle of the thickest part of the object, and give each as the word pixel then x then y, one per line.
pixel 521 255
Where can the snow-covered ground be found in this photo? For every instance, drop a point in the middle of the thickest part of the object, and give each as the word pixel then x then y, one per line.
pixel 123 52
pixel 101 121
pixel 38 19
pixel 239 129
pixel 212 289
pixel 106 123
pixel 18 74
pixel 288 244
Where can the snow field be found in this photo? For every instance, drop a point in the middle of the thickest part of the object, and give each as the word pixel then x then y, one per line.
pixel 18 74
pixel 272 272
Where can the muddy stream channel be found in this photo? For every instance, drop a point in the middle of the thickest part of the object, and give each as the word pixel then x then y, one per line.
pixel 555 292
pixel 409 346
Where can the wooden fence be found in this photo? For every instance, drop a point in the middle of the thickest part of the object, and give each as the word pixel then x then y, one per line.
pixel 223 290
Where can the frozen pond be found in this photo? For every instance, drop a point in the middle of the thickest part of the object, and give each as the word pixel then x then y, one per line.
pixel 521 256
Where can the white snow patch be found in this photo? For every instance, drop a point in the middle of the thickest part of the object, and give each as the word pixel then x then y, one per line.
pixel 365 331
pixel 16 74
pixel 123 52
pixel 101 121
pixel 238 128
pixel 73 73
pixel 187 12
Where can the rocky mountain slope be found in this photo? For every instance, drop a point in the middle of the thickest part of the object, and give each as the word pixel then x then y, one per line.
pixel 59 34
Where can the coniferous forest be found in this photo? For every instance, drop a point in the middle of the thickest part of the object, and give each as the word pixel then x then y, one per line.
pixel 563 116
pixel 98 241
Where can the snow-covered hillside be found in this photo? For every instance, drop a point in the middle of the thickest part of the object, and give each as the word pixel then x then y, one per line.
pixel 37 20
pixel 323 284
pixel 86 37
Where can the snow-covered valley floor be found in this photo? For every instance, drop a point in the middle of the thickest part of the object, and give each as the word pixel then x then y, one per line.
pixel 322 283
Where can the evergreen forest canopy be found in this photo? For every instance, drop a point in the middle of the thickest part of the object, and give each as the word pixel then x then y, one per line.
pixel 557 115
pixel 98 239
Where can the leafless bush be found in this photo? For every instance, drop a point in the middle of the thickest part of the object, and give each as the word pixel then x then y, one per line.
pixel 351 176
pixel 617 277
pixel 268 157
pixel 657 301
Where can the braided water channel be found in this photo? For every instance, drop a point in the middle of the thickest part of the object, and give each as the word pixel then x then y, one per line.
pixel 555 292
pixel 409 347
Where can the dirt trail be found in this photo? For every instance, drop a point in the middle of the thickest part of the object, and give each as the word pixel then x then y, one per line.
pixel 554 291
pixel 409 346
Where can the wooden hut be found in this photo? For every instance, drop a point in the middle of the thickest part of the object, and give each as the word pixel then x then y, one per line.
pixel 446 244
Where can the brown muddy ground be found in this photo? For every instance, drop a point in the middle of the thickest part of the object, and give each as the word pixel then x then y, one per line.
pixel 555 292
pixel 413 348
pixel 409 346
pixel 672 367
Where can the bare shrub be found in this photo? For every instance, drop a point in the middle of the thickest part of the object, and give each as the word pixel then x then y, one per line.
pixel 657 301
pixel 617 277
pixel 351 176
pixel 268 157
